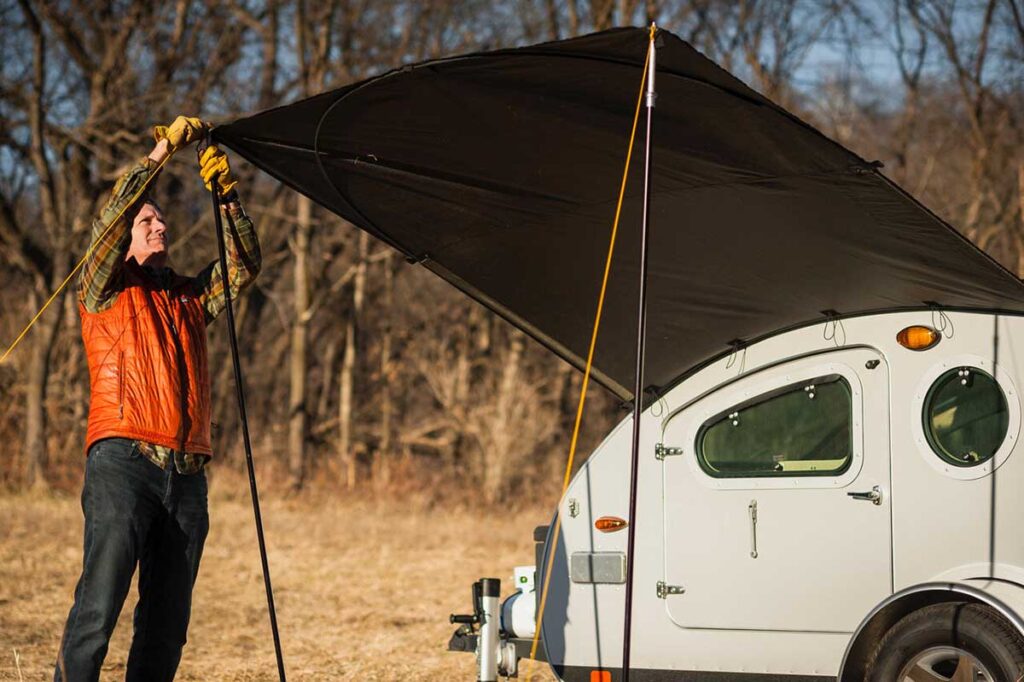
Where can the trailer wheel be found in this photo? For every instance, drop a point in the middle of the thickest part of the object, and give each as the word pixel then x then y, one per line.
pixel 951 641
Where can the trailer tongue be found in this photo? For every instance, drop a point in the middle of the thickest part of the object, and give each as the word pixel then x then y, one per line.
pixel 490 631
pixel 501 636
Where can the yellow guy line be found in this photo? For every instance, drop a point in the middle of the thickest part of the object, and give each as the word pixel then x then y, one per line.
pixel 88 253
pixel 590 358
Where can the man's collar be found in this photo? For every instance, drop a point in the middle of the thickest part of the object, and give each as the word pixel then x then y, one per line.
pixel 159 274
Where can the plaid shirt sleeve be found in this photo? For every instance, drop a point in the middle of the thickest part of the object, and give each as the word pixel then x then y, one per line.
pixel 100 279
pixel 244 261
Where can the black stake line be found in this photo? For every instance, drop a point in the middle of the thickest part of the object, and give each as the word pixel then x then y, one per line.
pixel 638 395
pixel 215 193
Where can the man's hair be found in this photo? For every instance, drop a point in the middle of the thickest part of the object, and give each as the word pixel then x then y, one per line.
pixel 146 198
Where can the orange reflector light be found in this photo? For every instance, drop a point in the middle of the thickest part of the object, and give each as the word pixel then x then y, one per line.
pixel 918 337
pixel 610 524
pixel 600 676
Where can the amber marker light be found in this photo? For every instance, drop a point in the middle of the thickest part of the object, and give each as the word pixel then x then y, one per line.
pixel 610 524
pixel 918 337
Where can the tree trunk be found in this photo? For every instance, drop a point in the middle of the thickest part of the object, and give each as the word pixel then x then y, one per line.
pixel 327 385
pixel 467 342
pixel 348 361
pixel 72 388
pixel 384 452
pixel 312 61
pixel 43 339
pixel 348 365
pixel 35 416
pixel 504 436
pixel 297 413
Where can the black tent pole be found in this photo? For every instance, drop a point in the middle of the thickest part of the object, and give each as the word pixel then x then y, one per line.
pixel 638 389
pixel 215 194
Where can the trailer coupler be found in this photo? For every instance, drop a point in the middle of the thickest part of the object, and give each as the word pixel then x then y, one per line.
pixel 481 633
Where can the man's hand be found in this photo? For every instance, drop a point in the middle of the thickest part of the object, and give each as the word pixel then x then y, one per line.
pixel 184 131
pixel 215 162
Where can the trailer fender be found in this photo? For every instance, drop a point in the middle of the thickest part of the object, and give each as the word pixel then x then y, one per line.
pixel 1006 597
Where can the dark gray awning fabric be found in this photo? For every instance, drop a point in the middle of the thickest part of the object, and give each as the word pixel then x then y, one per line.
pixel 500 171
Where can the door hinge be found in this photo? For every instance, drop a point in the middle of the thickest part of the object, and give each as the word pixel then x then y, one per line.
pixel 661 451
pixel 665 590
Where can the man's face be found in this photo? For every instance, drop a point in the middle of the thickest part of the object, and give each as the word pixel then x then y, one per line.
pixel 149 237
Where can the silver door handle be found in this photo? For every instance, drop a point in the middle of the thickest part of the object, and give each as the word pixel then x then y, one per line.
pixel 752 510
pixel 874 495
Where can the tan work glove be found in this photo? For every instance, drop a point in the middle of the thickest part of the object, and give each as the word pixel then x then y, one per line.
pixel 212 161
pixel 184 131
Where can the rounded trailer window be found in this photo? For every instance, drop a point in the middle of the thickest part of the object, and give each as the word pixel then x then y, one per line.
pixel 965 416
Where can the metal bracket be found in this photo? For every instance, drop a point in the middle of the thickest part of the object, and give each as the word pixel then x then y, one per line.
pixel 661 452
pixel 664 590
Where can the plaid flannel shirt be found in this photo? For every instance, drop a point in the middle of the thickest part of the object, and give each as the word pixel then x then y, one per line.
pixel 102 277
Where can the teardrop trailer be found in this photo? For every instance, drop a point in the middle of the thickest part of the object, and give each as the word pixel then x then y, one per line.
pixel 822 494
pixel 808 510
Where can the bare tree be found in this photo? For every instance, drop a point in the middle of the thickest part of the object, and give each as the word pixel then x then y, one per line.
pixel 313 45
pixel 346 381
pixel 68 97
pixel 975 50
pixel 351 355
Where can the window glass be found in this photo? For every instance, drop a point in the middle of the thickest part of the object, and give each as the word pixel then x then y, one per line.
pixel 799 430
pixel 965 416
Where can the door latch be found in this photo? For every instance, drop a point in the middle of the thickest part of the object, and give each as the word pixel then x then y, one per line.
pixel 752 510
pixel 665 590
pixel 661 451
pixel 874 495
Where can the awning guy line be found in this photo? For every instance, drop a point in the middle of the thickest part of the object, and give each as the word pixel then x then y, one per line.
pixel 553 534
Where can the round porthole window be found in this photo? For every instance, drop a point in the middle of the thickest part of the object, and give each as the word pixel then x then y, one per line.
pixel 965 416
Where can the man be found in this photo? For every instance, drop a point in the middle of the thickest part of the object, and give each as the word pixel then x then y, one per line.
pixel 148 438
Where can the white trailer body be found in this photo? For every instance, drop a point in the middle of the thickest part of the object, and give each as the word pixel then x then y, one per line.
pixel 797 571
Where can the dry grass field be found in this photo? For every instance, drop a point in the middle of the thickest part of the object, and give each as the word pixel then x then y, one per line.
pixel 363 589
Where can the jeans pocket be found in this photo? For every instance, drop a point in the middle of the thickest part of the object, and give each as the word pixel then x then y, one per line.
pixel 120 448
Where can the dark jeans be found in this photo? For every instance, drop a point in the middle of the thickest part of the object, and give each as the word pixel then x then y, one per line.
pixel 135 513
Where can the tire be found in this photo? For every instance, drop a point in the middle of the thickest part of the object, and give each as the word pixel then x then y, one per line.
pixel 934 640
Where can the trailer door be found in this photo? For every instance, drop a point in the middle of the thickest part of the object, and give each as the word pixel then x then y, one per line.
pixel 777 511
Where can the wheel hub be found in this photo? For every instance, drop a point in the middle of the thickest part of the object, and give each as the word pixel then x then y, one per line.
pixel 944 664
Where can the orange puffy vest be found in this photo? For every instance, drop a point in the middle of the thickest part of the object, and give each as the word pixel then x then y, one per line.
pixel 148 372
